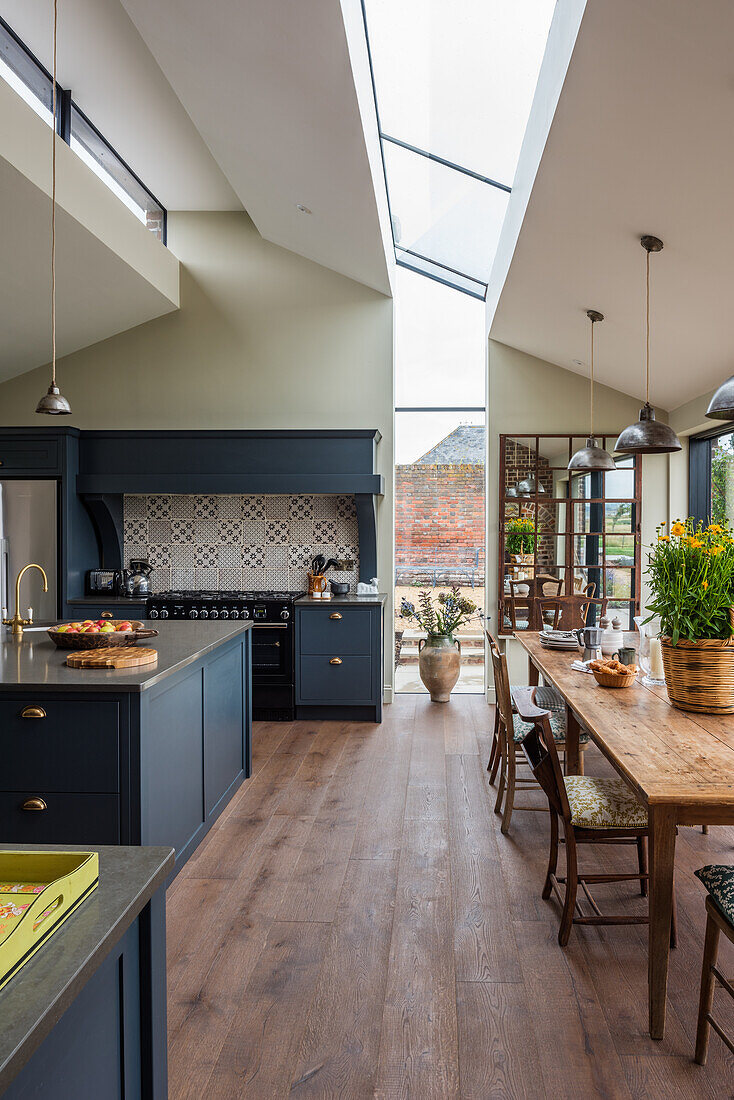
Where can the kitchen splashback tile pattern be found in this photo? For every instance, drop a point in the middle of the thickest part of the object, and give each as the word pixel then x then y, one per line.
pixel 231 542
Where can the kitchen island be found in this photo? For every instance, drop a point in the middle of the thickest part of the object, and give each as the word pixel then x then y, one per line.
pixel 86 1015
pixel 147 755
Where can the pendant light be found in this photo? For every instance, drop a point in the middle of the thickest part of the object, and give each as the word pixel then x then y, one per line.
pixel 722 403
pixel 592 456
pixel 529 487
pixel 53 402
pixel 648 436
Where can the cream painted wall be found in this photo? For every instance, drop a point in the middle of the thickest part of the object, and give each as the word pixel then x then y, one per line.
pixel 529 395
pixel 263 338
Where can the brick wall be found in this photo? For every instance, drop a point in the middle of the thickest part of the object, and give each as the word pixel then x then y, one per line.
pixel 520 463
pixel 439 515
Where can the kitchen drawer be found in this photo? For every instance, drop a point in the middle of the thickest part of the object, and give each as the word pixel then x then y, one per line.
pixel 67 819
pixel 339 630
pixel 18 455
pixel 323 682
pixel 78 612
pixel 74 748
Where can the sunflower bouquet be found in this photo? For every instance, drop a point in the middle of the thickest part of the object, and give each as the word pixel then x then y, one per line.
pixel 691 576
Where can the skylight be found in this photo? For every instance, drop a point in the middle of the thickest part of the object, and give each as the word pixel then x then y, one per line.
pixel 454 83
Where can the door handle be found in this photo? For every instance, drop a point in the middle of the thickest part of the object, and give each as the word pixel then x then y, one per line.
pixel 33 712
pixel 335 661
pixel 34 804
pixel 335 615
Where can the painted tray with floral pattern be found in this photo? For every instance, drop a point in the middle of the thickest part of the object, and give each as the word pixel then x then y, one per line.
pixel 38 891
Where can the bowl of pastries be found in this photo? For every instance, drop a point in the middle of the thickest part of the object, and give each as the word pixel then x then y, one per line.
pixel 613 674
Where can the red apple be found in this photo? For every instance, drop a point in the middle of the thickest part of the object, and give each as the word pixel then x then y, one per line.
pixel 92 630
pixel 125 627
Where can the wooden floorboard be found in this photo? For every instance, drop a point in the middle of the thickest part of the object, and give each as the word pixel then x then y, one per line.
pixel 356 926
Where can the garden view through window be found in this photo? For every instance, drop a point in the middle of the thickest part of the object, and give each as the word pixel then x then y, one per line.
pixel 440 446
pixel 722 479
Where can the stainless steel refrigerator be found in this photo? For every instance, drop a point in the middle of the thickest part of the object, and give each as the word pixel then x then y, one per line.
pixel 28 533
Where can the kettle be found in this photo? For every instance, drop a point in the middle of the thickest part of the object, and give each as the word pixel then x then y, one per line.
pixel 137 581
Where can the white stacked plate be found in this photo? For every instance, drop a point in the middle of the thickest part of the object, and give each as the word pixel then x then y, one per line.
pixel 559 639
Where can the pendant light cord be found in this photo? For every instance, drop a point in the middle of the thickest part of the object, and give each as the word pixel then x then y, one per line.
pixel 53 209
pixel 591 392
pixel 647 328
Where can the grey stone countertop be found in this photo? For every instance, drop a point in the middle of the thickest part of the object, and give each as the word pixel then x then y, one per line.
pixel 350 600
pixel 35 662
pixel 35 999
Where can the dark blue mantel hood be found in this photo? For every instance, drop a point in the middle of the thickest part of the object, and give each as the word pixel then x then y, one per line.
pixel 264 461
pixel 328 461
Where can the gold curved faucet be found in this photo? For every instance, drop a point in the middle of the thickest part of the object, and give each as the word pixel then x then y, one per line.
pixel 17 622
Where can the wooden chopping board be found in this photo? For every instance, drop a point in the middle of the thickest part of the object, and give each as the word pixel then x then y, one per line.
pixel 112 657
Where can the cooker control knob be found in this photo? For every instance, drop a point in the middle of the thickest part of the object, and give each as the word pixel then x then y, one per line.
pixel 245 613
pixel 164 613
pixel 224 614
pixel 204 613
pixel 235 613
pixel 193 613
pixel 214 614
pixel 153 614
pixel 285 613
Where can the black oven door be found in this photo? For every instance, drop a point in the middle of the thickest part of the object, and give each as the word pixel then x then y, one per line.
pixel 272 653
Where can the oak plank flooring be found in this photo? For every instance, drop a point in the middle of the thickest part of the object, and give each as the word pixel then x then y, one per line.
pixel 356 926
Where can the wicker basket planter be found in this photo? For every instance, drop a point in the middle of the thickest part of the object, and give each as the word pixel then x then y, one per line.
pixel 699 675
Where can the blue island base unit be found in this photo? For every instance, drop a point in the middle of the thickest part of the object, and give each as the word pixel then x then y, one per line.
pixel 152 767
pixel 339 660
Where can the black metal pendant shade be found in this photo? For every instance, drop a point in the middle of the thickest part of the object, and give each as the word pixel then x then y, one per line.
pixel 591 457
pixel 648 436
pixel 722 403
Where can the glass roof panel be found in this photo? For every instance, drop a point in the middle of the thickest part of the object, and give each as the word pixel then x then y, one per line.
pixel 457 78
pixel 443 215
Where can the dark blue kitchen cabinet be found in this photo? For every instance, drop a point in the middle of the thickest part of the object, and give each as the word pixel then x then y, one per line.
pixel 339 659
pixel 153 767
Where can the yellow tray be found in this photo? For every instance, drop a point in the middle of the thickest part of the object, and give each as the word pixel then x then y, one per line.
pixel 38 891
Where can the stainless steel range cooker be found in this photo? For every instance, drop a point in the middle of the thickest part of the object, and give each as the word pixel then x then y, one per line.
pixel 273 638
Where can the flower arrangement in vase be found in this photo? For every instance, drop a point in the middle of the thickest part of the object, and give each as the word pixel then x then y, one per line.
pixel 691 577
pixel 439 654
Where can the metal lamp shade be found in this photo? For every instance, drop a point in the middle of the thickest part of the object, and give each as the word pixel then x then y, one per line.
pixel 53 402
pixel 591 457
pixel 722 403
pixel 529 487
pixel 648 436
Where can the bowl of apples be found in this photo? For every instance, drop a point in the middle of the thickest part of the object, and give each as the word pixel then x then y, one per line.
pixel 96 633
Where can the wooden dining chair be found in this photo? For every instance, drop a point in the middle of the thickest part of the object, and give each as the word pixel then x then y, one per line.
pixel 509 732
pixel 571 612
pixel 719 881
pixel 592 811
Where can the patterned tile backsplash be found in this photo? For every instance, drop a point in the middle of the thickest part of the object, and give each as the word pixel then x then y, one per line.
pixel 231 542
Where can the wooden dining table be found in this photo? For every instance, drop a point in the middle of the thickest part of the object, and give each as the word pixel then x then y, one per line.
pixel 679 764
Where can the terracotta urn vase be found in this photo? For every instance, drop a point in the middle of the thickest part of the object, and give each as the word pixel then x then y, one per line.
pixel 439 664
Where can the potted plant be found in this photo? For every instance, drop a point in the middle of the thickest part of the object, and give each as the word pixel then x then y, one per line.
pixel 520 540
pixel 439 654
pixel 691 577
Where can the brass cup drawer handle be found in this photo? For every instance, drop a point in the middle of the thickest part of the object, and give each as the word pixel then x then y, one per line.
pixel 33 712
pixel 36 804
pixel 335 615
pixel 335 661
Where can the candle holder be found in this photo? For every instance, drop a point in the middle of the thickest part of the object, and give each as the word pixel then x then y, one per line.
pixel 650 654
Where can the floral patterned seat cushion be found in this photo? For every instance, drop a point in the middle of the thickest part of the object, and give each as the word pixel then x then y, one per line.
pixel 603 803
pixel 719 881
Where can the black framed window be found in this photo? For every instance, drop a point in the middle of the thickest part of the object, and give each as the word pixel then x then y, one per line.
pixel 32 81
pixel 711 475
